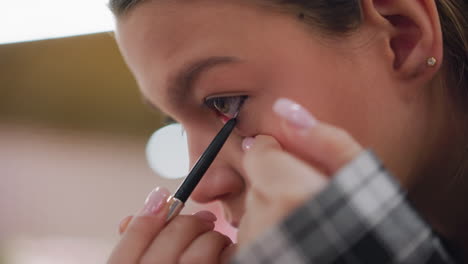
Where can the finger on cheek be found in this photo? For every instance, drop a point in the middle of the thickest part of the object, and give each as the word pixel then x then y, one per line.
pixel 248 143
pixel 280 173
pixel 271 170
pixel 257 147
pixel 260 143
pixel 295 115
pixel 314 141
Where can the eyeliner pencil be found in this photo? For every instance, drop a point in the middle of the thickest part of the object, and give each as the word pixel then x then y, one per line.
pixel 177 201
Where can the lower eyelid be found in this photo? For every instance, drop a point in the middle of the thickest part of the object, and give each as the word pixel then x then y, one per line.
pixel 224 119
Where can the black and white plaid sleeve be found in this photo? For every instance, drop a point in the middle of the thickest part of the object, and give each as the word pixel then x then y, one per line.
pixel 361 217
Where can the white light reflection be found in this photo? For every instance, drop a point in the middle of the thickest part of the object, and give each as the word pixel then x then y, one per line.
pixel 27 20
pixel 167 152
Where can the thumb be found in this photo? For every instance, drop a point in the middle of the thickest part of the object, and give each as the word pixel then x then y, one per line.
pixel 313 141
pixel 271 170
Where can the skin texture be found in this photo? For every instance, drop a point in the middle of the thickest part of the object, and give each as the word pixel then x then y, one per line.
pixel 190 239
pixel 373 86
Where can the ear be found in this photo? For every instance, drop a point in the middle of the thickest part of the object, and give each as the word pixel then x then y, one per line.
pixel 415 34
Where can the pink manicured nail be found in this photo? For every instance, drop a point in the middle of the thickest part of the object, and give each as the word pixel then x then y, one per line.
pixel 294 113
pixel 247 143
pixel 206 215
pixel 155 201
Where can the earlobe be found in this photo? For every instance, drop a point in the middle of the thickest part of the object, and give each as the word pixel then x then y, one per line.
pixel 415 38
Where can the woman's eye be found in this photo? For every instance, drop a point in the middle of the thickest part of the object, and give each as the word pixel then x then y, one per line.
pixel 226 106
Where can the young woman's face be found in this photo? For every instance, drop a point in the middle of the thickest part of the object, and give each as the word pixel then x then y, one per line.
pixel 183 52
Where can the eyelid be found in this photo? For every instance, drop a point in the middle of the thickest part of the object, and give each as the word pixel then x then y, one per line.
pixel 224 95
pixel 208 100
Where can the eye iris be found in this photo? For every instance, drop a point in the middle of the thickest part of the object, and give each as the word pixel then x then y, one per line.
pixel 227 106
pixel 221 105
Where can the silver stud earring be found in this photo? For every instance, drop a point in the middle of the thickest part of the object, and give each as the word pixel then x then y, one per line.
pixel 431 62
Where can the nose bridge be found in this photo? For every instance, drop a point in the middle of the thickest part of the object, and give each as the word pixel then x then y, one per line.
pixel 222 178
pixel 197 141
pixel 200 137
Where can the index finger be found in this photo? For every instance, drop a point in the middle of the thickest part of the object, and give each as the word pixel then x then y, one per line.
pixel 313 141
pixel 262 143
pixel 142 229
pixel 269 168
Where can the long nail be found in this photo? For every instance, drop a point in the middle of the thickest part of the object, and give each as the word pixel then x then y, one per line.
pixel 294 113
pixel 155 201
pixel 248 143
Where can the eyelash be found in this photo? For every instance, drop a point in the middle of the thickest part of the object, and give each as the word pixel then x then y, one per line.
pixel 214 103
pixel 217 103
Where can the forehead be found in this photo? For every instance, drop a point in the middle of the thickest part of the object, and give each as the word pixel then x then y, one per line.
pixel 157 37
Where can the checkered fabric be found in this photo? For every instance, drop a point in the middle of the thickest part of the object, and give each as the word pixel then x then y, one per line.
pixel 361 217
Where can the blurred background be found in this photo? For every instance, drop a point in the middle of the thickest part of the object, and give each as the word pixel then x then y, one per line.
pixel 73 132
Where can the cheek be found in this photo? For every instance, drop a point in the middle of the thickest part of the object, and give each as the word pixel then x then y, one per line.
pixel 257 118
pixel 262 124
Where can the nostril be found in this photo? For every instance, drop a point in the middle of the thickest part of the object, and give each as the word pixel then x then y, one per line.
pixel 220 183
pixel 217 187
pixel 207 197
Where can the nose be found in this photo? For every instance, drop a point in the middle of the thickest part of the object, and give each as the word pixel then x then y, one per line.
pixel 222 180
pixel 219 183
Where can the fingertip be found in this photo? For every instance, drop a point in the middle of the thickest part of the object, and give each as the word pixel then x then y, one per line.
pixel 228 254
pixel 155 201
pixel 206 215
pixel 296 115
pixel 248 143
pixel 327 146
pixel 257 147
pixel 124 224
pixel 265 141
pixel 260 142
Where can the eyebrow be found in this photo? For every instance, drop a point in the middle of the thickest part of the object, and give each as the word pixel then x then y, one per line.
pixel 181 83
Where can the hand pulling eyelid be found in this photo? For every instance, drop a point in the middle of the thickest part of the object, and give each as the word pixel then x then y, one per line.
pixel 177 201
